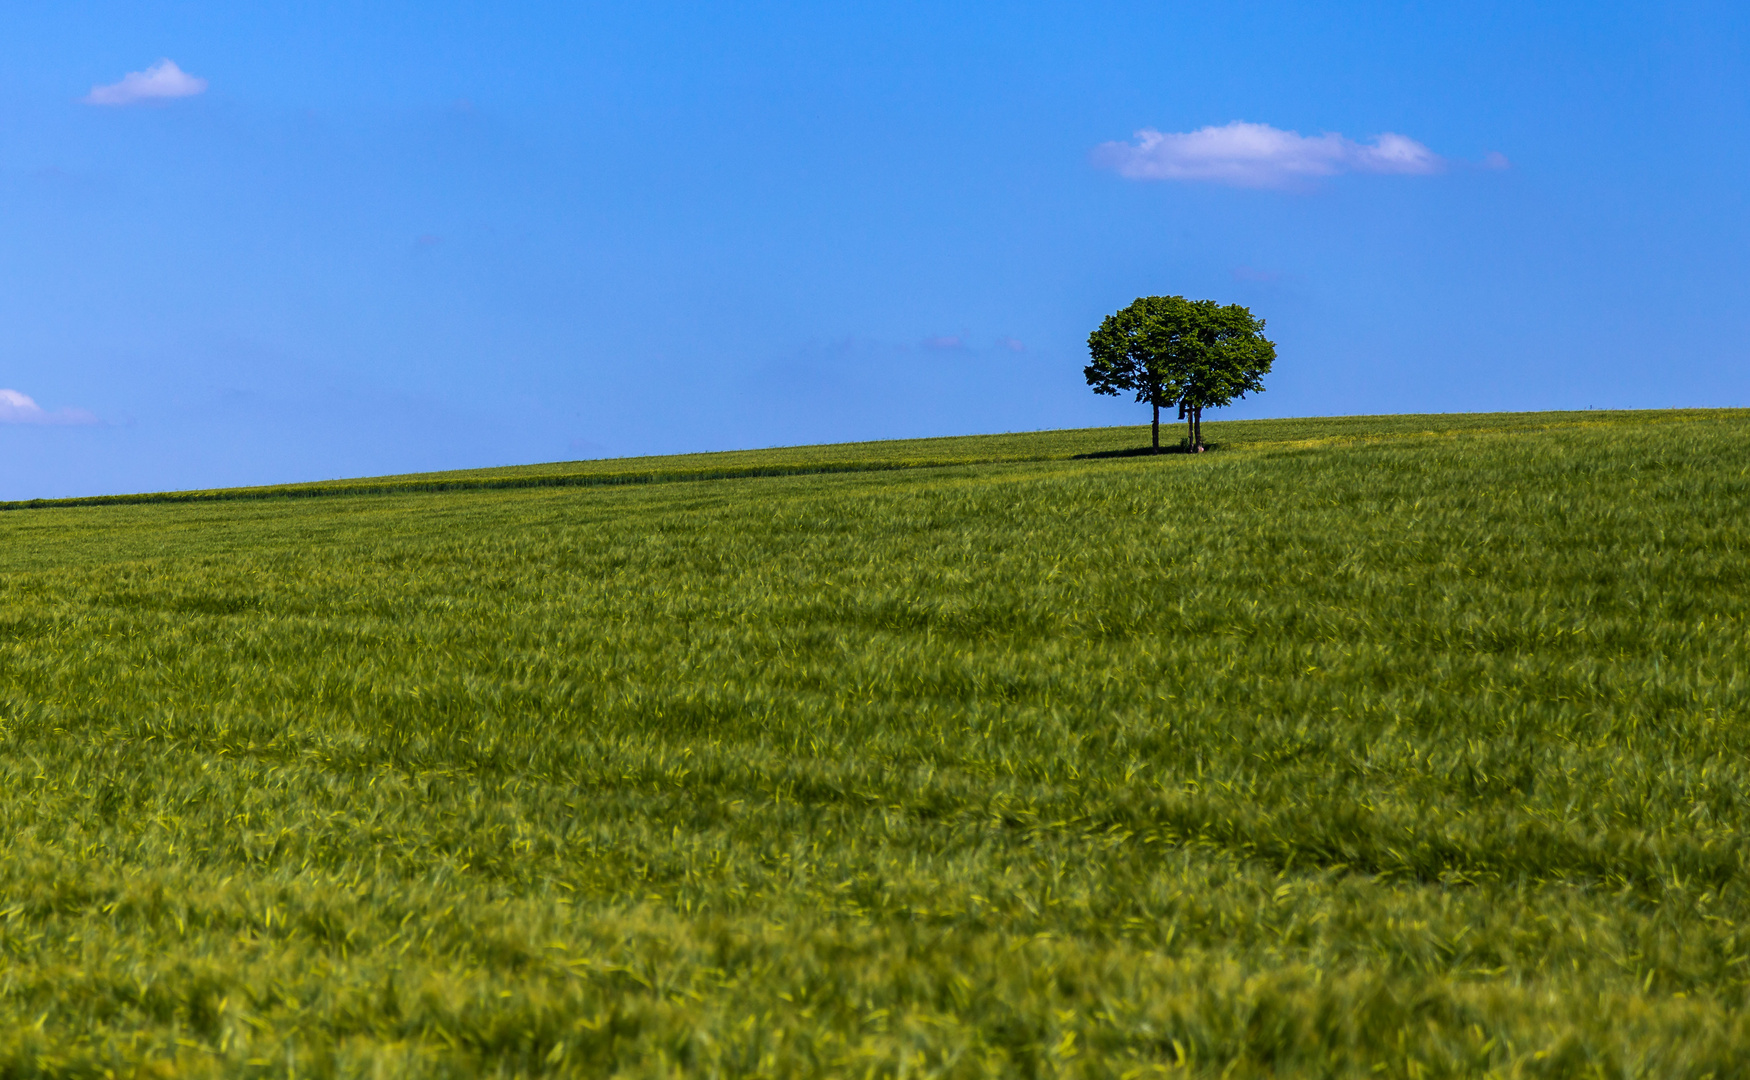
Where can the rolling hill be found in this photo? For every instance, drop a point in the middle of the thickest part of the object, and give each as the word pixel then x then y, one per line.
pixel 1409 746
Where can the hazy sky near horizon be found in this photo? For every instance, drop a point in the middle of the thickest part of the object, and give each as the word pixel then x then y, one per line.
pixel 272 242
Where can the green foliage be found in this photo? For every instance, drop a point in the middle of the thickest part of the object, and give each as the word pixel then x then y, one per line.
pixel 1420 751
pixel 1230 358
pixel 1168 350
pixel 1141 349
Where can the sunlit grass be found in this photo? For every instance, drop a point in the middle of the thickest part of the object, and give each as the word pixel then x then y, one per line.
pixel 1381 746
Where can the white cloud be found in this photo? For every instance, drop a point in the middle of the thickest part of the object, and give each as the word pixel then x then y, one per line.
pixel 158 82
pixel 17 408
pixel 1260 156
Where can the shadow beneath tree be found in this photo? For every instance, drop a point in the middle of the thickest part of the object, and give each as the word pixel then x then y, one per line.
pixel 1144 451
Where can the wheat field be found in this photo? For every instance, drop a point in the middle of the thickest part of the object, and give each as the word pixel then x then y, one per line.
pixel 1402 746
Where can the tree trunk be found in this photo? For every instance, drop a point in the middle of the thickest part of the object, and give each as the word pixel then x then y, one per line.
pixel 1156 400
pixel 1190 429
pixel 1199 422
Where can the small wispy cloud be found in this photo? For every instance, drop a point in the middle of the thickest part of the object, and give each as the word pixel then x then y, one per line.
pixel 160 82
pixel 1260 156
pixel 1012 344
pixel 945 341
pixel 17 408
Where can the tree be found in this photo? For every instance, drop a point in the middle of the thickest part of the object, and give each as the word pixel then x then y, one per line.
pixel 1167 350
pixel 1230 358
pixel 1134 350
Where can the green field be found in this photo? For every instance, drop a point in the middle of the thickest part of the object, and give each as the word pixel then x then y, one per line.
pixel 1382 746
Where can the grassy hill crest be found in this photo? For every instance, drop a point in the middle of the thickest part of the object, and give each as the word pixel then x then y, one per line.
pixel 1061 445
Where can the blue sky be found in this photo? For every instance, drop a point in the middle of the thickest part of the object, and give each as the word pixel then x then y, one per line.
pixel 354 239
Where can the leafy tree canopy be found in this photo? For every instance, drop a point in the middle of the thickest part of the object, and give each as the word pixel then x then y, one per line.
pixel 1168 350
